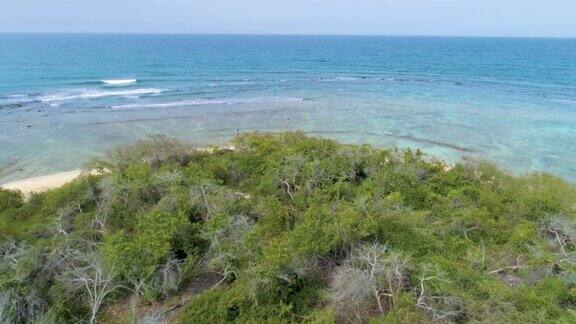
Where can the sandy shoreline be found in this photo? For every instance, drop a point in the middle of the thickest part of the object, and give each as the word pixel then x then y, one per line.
pixel 56 180
pixel 43 183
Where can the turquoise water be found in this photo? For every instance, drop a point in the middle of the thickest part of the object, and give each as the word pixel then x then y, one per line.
pixel 511 101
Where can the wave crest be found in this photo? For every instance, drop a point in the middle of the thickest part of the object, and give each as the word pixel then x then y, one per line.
pixel 199 102
pixel 119 81
pixel 86 94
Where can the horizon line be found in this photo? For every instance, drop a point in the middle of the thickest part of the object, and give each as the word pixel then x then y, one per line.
pixel 279 34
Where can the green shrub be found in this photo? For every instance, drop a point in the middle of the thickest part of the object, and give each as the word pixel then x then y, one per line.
pixel 10 199
pixel 288 228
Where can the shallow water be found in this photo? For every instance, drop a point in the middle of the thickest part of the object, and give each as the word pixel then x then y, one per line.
pixel 67 98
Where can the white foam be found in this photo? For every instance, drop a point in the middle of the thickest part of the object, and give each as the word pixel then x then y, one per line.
pixel 199 102
pixel 570 101
pixel 15 99
pixel 119 81
pixel 86 94
pixel 176 104
pixel 338 79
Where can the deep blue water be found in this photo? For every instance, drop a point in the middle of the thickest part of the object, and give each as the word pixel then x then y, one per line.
pixel 511 101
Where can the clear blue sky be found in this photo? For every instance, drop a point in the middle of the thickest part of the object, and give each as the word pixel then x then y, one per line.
pixel 375 17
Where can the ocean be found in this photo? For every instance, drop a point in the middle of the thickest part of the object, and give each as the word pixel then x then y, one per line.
pixel 65 99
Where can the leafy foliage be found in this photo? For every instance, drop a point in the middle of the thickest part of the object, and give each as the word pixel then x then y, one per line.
pixel 289 228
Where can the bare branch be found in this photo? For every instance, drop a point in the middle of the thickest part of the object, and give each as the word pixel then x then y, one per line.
pixel 371 272
pixel 439 307
pixel 85 274
pixel 509 268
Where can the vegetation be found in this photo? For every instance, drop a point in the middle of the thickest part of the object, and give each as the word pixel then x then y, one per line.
pixel 288 228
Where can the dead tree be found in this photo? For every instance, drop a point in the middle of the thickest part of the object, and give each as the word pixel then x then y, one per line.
pixel 439 307
pixel 86 275
pixel 370 273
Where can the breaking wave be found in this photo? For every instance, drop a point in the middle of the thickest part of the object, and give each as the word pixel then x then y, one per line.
pixel 83 94
pixel 119 81
pixel 198 102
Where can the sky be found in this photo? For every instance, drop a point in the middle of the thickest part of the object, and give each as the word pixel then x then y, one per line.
pixel 523 18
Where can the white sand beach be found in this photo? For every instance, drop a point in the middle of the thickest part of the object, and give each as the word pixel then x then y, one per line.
pixel 43 183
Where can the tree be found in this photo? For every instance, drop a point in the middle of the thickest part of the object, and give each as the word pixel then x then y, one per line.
pixel 86 275
pixel 370 272
pixel 440 307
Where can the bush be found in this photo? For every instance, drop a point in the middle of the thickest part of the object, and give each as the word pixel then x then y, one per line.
pixel 288 228
pixel 368 282
pixel 10 199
